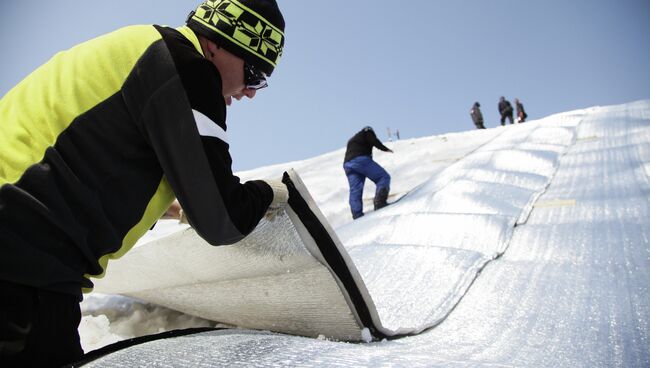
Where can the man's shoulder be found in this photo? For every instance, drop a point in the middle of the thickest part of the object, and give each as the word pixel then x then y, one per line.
pixel 179 43
pixel 189 61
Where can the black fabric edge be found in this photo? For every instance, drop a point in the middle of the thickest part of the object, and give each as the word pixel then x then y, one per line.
pixel 120 345
pixel 328 249
pixel 330 253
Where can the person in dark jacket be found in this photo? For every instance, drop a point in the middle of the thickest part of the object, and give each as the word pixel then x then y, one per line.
pixel 521 113
pixel 98 142
pixel 359 165
pixel 505 109
pixel 477 116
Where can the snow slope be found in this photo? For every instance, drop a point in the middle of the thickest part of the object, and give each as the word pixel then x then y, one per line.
pixel 570 286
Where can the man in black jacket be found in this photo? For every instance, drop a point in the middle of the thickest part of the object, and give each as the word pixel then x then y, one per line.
pixel 505 109
pixel 99 141
pixel 359 165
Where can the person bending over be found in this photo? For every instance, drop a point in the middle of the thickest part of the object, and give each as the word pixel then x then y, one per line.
pixel 359 165
pixel 97 143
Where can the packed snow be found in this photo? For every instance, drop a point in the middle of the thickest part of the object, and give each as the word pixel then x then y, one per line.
pixel 558 238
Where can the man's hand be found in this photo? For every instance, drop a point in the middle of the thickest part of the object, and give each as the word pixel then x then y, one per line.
pixel 280 198
pixel 175 211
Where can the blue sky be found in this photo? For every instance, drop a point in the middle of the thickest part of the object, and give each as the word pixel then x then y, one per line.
pixel 416 66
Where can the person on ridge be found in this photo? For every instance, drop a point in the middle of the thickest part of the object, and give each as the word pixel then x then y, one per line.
pixel 521 113
pixel 359 165
pixel 477 116
pixel 505 110
pixel 98 142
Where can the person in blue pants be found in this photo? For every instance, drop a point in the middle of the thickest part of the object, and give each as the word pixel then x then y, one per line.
pixel 359 165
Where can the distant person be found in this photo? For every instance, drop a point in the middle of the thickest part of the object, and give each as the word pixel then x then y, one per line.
pixel 521 113
pixel 505 109
pixel 98 141
pixel 359 165
pixel 477 116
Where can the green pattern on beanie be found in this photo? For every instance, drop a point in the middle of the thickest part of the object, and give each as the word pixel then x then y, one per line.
pixel 242 30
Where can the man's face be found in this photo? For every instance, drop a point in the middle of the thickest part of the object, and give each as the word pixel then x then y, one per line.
pixel 231 69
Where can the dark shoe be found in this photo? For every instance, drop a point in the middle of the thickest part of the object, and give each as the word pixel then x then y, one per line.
pixel 357 215
pixel 380 198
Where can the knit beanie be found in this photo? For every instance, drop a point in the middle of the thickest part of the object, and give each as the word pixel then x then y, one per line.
pixel 250 29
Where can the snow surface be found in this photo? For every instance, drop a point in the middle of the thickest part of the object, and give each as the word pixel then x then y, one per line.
pixel 568 285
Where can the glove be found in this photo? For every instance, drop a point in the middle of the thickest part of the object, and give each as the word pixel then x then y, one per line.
pixel 280 198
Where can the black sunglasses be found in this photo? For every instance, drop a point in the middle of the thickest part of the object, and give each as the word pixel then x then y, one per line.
pixel 253 77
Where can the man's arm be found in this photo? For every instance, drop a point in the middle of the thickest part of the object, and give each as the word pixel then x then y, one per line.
pixel 372 139
pixel 184 120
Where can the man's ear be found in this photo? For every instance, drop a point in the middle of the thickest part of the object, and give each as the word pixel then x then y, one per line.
pixel 212 48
